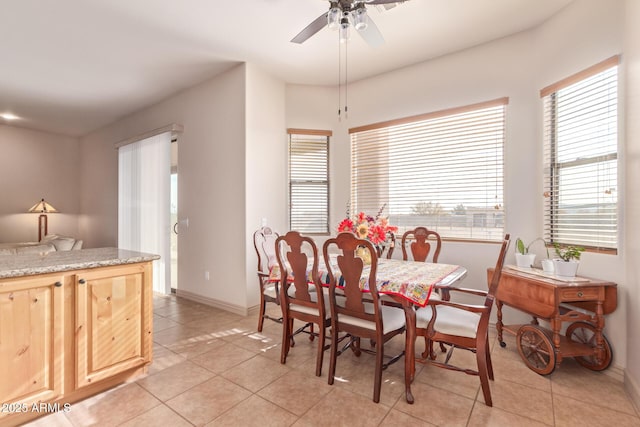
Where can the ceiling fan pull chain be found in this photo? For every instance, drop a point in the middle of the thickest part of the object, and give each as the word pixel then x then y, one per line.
pixel 346 80
pixel 339 76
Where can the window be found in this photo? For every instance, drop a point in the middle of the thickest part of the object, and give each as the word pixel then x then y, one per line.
pixel 581 158
pixel 309 180
pixel 441 170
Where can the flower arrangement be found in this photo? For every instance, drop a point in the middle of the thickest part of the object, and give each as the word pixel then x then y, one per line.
pixel 365 226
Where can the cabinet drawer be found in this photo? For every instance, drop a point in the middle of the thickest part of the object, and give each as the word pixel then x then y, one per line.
pixel 588 294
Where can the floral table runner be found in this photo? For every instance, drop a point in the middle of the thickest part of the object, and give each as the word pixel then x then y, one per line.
pixel 409 279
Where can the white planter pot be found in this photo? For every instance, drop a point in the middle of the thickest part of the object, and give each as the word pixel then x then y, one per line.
pixel 525 260
pixel 547 265
pixel 565 268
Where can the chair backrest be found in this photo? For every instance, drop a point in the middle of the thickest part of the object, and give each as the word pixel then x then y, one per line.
pixel 388 246
pixel 264 241
pixel 497 271
pixel 291 253
pixel 419 241
pixel 349 271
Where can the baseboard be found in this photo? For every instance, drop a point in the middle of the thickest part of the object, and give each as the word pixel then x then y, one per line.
pixel 633 390
pixel 616 372
pixel 232 308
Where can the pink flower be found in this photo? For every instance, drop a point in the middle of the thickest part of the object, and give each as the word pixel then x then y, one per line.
pixel 345 225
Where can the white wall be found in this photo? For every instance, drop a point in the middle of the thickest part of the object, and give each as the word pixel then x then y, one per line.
pixel 266 165
pixel 34 165
pixel 631 61
pixel 211 182
pixel 584 33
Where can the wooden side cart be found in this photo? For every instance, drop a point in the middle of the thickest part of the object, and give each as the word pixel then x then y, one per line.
pixel 582 301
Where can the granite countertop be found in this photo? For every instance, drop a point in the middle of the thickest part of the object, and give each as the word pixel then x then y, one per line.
pixel 52 262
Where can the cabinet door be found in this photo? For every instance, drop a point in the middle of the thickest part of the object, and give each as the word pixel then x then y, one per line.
pixel 113 321
pixel 31 341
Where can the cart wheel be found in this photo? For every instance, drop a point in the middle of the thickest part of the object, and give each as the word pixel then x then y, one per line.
pixel 585 333
pixel 536 349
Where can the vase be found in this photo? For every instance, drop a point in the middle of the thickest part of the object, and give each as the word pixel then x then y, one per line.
pixel 525 260
pixel 565 268
pixel 547 265
pixel 364 254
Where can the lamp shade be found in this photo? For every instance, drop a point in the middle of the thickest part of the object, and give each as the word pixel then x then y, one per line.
pixel 42 207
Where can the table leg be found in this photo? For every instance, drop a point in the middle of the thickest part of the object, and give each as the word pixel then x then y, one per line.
pixel 499 324
pixel 556 324
pixel 599 326
pixel 409 350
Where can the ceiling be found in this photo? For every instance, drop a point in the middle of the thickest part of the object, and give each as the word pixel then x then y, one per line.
pixel 73 66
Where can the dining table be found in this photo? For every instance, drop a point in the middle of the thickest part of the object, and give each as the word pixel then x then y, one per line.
pixel 409 283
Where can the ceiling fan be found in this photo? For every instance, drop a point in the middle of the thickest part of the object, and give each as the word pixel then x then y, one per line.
pixel 343 14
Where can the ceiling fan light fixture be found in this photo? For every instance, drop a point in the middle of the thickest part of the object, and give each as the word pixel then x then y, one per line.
pixel 360 18
pixel 345 34
pixel 333 17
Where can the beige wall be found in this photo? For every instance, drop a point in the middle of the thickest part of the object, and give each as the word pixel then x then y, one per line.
pixel 584 33
pixel 631 62
pixel 34 165
pixel 211 180
pixel 266 165
pixel 231 174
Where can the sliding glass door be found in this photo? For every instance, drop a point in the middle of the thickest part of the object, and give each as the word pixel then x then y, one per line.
pixel 144 185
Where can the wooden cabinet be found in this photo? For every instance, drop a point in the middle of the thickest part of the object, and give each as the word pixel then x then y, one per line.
pixel 31 340
pixel 113 329
pixel 66 336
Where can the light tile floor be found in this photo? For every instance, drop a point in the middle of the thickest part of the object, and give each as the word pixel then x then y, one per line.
pixel 212 368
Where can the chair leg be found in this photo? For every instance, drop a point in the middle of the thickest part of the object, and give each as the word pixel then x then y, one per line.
pixel 292 341
pixel 334 355
pixel 263 308
pixel 489 364
pixel 320 355
pixel 311 335
pixel 286 343
pixel 378 373
pixel 481 357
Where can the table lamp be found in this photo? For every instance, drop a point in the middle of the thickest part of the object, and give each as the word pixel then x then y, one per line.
pixel 42 208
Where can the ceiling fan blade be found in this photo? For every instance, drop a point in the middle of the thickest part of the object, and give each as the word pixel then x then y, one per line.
pixel 311 29
pixel 386 1
pixel 372 35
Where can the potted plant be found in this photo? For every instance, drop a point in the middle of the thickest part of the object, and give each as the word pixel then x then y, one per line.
pixel 569 257
pixel 523 257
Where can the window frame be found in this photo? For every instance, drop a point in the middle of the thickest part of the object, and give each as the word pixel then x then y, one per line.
pixel 429 119
pixel 313 133
pixel 552 190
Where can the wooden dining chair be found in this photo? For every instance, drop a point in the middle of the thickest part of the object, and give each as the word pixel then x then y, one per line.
pixel 385 250
pixel 298 301
pixel 417 245
pixel 351 313
pixel 419 241
pixel 264 240
pixel 464 326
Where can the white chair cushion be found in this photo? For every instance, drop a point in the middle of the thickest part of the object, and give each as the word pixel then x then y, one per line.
pixel 392 319
pixel 270 290
pixel 312 310
pixel 450 321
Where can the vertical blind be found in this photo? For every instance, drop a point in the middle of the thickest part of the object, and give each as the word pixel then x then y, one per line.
pixel 581 158
pixel 144 170
pixel 309 180
pixel 442 170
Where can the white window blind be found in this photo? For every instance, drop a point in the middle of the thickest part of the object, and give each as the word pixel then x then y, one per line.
pixel 581 158
pixel 144 180
pixel 441 170
pixel 309 181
